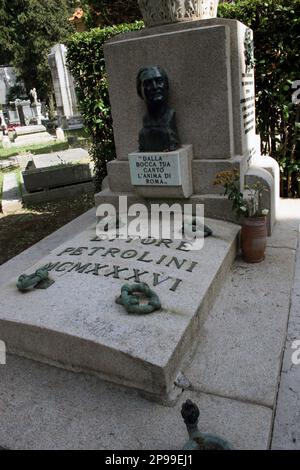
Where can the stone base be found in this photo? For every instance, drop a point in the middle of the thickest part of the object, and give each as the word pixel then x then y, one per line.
pixel 76 323
pixel 38 179
pixel 6 142
pixel 236 348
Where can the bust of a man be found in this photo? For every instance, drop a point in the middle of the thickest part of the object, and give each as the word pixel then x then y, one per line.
pixel 159 132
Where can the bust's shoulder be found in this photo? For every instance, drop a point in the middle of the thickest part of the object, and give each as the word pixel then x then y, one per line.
pixel 169 115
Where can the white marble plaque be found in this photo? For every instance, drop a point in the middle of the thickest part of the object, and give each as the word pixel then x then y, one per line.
pixel 155 169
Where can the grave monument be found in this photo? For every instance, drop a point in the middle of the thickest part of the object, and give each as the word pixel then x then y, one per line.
pixel 79 322
pixel 30 135
pixel 161 160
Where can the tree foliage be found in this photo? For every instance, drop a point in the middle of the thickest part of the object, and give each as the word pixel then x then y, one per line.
pixel 108 13
pixel 6 28
pixel 276 35
pixel 28 30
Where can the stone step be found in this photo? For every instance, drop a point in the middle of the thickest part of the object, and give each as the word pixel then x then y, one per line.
pixel 10 162
pixel 56 194
pixel 215 206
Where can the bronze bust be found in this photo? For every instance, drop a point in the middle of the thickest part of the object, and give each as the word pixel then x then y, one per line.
pixel 159 132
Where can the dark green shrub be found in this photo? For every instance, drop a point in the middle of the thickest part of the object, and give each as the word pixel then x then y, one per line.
pixel 107 12
pixel 86 61
pixel 276 25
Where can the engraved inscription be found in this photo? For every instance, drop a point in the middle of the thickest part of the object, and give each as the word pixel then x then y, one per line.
pixel 102 261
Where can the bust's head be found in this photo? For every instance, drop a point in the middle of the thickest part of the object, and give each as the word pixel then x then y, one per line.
pixel 153 85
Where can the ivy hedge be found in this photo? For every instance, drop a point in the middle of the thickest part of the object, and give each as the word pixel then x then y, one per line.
pixel 86 62
pixel 277 43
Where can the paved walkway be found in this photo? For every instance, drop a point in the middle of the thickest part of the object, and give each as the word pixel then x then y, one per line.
pixel 233 377
pixel 286 433
pixel 11 197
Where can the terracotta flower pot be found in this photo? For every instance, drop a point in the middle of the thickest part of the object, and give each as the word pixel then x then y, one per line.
pixel 254 239
pixel 157 12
